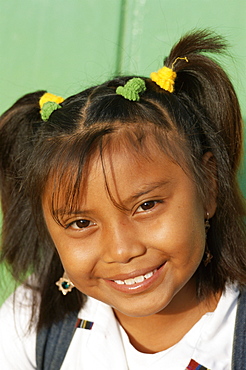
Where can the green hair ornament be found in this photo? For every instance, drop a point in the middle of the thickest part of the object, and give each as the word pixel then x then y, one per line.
pixel 48 104
pixel 132 89
pixel 48 108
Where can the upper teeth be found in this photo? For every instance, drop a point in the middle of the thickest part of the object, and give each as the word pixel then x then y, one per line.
pixel 137 279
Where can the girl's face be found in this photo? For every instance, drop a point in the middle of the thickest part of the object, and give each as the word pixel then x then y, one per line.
pixel 137 249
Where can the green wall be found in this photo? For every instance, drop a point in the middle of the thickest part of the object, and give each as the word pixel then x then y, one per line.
pixel 64 46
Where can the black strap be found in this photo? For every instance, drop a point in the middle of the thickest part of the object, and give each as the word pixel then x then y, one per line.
pixel 239 344
pixel 52 343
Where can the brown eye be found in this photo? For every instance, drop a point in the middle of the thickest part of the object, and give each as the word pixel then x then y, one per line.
pixel 148 205
pixel 80 224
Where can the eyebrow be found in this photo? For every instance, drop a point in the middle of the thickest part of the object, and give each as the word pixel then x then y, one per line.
pixel 145 189
pixel 66 212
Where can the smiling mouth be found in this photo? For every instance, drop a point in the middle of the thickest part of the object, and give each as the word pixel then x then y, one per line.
pixel 137 279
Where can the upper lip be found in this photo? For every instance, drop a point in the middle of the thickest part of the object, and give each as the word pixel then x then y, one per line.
pixel 134 273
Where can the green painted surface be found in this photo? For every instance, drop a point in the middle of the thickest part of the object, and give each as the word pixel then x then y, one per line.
pixel 61 46
pixel 64 46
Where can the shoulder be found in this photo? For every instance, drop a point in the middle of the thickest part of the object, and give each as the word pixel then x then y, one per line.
pixel 16 337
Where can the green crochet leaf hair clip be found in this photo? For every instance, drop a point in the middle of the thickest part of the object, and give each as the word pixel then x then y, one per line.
pixel 48 104
pixel 132 89
pixel 47 109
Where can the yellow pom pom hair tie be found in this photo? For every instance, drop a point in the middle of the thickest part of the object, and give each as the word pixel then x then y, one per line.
pixel 165 77
pixel 48 104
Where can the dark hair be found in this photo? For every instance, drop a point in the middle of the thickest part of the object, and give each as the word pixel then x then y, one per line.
pixel 202 115
pixel 17 127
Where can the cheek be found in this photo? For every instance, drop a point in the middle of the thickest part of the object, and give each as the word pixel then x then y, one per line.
pixel 72 254
pixel 181 239
pixel 81 267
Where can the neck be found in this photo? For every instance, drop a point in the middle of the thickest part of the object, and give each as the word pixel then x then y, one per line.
pixel 164 329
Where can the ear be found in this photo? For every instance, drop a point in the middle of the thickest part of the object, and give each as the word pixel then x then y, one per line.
pixel 210 167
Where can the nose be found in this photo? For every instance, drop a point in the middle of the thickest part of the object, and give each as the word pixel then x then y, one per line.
pixel 121 243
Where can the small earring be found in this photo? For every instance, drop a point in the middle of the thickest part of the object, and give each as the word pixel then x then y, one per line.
pixel 207 254
pixel 207 224
pixel 64 284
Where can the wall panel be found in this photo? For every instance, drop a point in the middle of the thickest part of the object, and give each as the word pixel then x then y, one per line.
pixel 62 46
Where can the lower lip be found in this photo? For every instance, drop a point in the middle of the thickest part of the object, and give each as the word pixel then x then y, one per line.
pixel 138 287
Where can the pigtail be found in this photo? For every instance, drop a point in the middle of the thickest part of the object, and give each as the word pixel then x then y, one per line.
pixel 202 81
pixel 18 126
pixel 204 89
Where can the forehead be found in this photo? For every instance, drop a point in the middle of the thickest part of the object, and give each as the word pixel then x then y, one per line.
pixel 119 164
pixel 142 146
pixel 123 171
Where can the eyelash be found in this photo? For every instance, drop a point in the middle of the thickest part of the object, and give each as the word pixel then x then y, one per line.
pixel 152 202
pixel 87 223
pixel 72 224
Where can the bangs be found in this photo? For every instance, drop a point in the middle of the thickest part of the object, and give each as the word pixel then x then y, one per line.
pixel 68 174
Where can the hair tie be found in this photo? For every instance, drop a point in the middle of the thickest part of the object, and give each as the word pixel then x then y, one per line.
pixel 165 77
pixel 48 104
pixel 132 89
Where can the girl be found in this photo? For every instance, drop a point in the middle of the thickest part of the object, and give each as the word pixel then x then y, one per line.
pixel 123 204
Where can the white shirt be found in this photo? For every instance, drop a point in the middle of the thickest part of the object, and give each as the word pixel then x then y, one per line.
pixel 106 345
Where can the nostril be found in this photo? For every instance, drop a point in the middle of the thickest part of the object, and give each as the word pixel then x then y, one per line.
pixel 122 253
